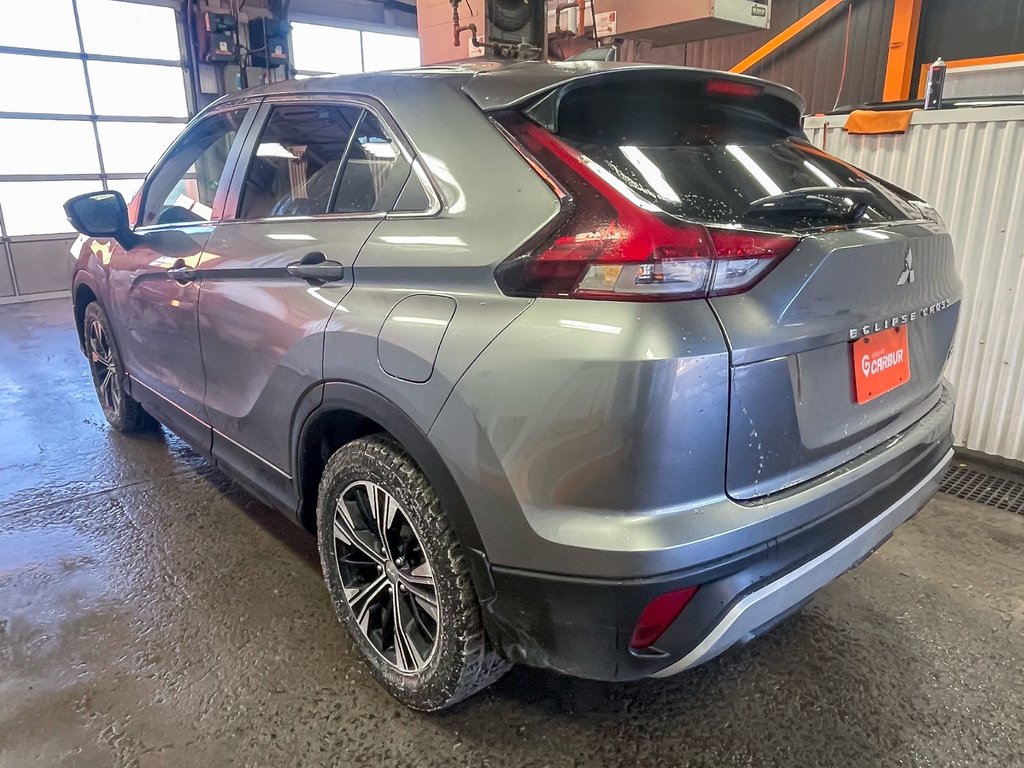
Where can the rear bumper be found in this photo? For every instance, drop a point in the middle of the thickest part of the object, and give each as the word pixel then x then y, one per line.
pixel 582 626
pixel 761 608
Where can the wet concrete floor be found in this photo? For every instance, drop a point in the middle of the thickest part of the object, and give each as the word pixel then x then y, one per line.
pixel 153 614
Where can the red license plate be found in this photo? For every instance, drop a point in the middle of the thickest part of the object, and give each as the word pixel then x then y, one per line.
pixel 881 362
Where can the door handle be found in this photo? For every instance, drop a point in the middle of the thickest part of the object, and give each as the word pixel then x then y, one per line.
pixel 181 272
pixel 315 268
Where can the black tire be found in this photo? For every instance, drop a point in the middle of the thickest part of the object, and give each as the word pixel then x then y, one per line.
pixel 511 15
pixel 122 412
pixel 460 662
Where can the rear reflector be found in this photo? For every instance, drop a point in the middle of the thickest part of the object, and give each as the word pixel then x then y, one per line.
pixel 659 615
pixel 613 245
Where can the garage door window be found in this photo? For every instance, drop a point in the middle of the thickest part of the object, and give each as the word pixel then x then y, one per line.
pixel 59 33
pixel 99 83
pixel 112 27
pixel 320 49
pixel 128 146
pixel 70 147
pixel 145 90
pixel 54 85
pixel 31 207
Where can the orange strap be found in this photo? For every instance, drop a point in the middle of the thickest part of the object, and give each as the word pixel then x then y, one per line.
pixel 863 121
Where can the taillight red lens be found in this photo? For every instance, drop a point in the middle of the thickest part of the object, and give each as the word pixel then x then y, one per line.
pixel 733 89
pixel 615 245
pixel 742 258
pixel 659 615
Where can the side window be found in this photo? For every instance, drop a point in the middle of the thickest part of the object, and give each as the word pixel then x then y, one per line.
pixel 184 187
pixel 374 171
pixel 297 159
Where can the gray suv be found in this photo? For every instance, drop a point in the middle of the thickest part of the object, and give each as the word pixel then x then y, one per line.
pixel 600 368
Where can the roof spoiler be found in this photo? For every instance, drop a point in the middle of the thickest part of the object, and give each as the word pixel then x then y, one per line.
pixel 525 83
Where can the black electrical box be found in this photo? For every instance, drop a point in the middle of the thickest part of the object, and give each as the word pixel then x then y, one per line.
pixel 268 43
pixel 217 38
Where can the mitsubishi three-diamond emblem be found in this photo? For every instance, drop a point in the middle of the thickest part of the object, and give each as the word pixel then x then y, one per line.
pixel 907 276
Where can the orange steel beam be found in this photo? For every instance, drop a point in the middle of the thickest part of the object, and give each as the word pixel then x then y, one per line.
pixel 793 30
pixel 899 69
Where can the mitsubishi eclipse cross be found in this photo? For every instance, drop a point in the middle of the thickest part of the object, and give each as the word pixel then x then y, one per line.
pixel 601 368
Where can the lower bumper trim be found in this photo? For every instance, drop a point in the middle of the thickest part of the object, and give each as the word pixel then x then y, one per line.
pixel 761 607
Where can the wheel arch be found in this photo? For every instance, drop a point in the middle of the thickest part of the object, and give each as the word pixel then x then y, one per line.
pixel 349 411
pixel 82 295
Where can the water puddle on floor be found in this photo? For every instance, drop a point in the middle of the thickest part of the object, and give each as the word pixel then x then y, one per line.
pixel 49 578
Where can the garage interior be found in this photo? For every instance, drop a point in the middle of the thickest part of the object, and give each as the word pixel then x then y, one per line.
pixel 154 613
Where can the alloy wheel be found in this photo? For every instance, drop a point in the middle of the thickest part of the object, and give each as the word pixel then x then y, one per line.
pixel 104 367
pixel 388 581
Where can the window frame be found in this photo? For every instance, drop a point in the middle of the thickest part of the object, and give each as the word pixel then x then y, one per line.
pixel 232 204
pixel 251 107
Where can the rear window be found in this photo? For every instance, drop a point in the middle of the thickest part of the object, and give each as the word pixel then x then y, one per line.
pixel 709 159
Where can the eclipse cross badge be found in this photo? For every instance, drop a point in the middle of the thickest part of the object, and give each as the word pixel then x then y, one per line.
pixel 907 276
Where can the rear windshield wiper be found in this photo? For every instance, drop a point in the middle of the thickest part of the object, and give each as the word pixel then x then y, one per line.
pixel 848 202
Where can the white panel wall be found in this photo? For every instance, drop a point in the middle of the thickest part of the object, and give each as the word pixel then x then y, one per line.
pixel 987 80
pixel 970 165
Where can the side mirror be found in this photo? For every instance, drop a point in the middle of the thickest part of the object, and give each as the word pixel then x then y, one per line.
pixel 101 214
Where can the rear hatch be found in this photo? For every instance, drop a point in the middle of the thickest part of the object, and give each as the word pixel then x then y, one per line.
pixel 839 344
pixel 794 410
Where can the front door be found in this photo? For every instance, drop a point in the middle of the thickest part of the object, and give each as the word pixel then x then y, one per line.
pixel 155 283
pixel 307 197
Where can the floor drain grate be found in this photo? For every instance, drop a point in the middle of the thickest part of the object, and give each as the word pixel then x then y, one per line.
pixel 992 490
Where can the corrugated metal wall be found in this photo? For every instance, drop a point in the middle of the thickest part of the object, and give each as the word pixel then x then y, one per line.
pixel 968 164
pixel 968 29
pixel 811 64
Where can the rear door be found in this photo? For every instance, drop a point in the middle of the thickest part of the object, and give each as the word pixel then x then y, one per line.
pixel 808 390
pixel 316 178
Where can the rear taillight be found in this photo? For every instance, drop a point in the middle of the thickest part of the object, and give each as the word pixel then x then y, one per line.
pixel 613 244
pixel 658 616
